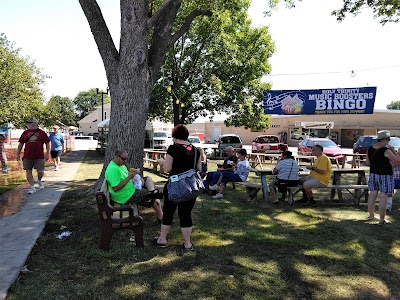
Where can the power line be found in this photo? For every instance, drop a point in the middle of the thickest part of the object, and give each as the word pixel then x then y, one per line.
pixel 331 72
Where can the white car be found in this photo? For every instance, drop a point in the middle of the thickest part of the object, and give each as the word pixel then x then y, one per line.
pixel 161 140
pixel 195 141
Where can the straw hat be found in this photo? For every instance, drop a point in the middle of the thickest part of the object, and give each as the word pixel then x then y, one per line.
pixel 383 134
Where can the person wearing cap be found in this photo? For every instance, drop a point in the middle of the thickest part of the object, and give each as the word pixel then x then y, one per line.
pixel 379 158
pixel 57 146
pixel 286 171
pixel 3 154
pixel 33 138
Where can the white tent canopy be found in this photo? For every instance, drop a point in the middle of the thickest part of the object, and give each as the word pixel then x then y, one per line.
pixel 106 123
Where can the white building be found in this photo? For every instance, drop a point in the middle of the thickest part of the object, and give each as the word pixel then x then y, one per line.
pixel 89 123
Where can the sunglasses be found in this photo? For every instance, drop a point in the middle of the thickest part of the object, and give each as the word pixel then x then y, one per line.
pixel 123 158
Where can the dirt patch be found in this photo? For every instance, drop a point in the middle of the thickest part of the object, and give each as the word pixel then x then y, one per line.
pixel 11 201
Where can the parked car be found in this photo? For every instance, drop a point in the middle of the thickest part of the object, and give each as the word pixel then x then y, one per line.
pixel 161 140
pixel 233 140
pixel 300 136
pixel 224 141
pixel 363 143
pixel 331 149
pixel 268 144
pixel 395 142
pixel 194 140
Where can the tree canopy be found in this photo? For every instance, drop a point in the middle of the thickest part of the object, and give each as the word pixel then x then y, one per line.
pixel 20 80
pixel 59 111
pixel 214 67
pixel 384 10
pixel 86 101
pixel 394 105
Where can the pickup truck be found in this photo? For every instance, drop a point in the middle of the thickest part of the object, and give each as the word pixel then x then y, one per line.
pixel 300 136
pixel 268 144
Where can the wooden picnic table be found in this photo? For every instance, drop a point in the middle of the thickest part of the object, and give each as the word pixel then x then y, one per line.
pixel 151 156
pixel 337 173
pixel 355 163
pixel 257 159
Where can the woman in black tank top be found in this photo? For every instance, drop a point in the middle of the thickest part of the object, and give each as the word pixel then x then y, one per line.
pixel 379 158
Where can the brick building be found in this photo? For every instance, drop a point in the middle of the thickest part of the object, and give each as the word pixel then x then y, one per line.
pixel 345 130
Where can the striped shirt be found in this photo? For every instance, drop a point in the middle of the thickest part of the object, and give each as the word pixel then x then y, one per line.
pixel 284 166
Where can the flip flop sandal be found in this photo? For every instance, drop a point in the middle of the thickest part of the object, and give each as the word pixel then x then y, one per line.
pixel 159 245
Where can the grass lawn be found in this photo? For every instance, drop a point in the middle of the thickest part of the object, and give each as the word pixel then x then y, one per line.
pixel 243 251
pixel 14 178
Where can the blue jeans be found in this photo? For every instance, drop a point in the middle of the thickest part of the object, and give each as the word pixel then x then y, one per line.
pixel 230 177
pixel 211 179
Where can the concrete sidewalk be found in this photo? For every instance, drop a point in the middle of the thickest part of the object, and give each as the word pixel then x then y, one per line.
pixel 19 232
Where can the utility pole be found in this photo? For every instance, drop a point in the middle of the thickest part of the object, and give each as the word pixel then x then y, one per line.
pixel 102 101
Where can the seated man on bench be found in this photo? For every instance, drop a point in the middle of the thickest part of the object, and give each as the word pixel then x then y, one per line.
pixel 213 177
pixel 319 176
pixel 122 189
pixel 240 173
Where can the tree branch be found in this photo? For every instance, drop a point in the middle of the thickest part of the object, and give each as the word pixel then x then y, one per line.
pixel 159 13
pixel 101 34
pixel 188 21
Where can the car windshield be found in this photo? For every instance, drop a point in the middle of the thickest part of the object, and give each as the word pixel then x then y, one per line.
pixel 230 140
pixel 326 144
pixel 366 141
pixel 269 139
pixel 395 142
pixel 160 134
pixel 194 140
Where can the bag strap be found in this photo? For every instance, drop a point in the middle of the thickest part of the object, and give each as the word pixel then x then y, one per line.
pixel 194 163
pixel 375 152
pixel 31 136
pixel 291 168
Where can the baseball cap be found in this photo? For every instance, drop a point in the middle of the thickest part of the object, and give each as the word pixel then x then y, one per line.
pixel 32 120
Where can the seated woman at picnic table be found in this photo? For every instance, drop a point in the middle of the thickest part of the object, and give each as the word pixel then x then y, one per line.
pixel 286 171
pixel 213 177
pixel 240 173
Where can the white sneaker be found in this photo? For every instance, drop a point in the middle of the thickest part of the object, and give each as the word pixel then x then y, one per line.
pixel 31 190
pixel 41 185
pixel 56 168
pixel 218 196
pixel 213 187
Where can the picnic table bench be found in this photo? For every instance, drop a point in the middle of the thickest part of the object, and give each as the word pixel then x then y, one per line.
pixel 360 190
pixel 113 218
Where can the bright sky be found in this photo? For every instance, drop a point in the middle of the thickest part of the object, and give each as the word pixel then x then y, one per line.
pixel 308 40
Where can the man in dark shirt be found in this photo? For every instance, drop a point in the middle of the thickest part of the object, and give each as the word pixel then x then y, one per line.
pixel 212 177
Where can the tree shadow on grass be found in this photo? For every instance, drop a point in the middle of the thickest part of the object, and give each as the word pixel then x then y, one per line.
pixel 242 252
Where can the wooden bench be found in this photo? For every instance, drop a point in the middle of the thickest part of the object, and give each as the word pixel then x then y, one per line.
pixel 153 162
pixel 114 218
pixel 252 189
pixel 360 190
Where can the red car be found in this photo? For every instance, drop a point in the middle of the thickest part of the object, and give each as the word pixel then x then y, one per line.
pixel 268 144
pixel 331 149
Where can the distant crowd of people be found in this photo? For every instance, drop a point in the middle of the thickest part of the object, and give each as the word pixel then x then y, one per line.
pixel 32 141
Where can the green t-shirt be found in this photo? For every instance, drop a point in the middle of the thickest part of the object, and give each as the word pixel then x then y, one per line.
pixel 114 175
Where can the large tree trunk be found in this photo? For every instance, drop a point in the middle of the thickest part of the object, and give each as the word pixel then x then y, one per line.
pixel 130 87
pixel 132 70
